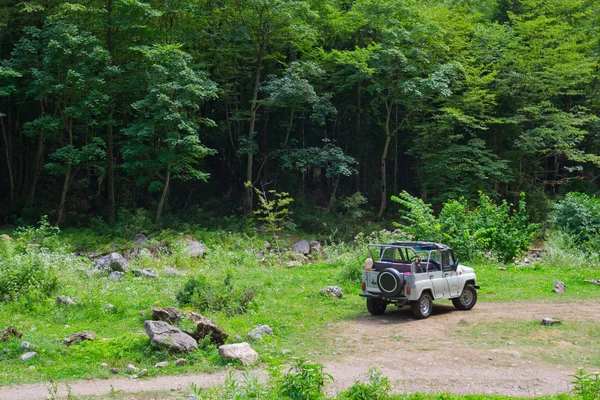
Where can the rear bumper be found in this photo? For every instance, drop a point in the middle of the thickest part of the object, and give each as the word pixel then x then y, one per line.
pixel 379 295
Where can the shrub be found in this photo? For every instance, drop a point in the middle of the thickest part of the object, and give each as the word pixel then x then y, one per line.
pixel 376 389
pixel 586 385
pixel 498 229
pixel 304 381
pixel 578 215
pixel 33 272
pixel 199 293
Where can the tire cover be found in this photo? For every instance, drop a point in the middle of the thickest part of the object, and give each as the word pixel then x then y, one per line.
pixel 390 282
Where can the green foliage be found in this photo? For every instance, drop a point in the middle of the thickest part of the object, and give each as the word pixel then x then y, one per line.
pixel 578 215
pixel 378 388
pixel 304 381
pixel 353 205
pixel 498 229
pixel 586 385
pixel 203 295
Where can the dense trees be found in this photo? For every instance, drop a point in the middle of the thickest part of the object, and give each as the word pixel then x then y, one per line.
pixel 167 104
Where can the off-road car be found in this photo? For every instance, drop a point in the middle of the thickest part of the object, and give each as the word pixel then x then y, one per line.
pixel 416 273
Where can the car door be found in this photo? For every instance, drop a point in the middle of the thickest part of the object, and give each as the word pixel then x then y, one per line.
pixel 435 274
pixel 450 276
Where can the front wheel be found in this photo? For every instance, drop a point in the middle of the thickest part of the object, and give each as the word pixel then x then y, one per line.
pixel 376 306
pixel 423 307
pixel 467 298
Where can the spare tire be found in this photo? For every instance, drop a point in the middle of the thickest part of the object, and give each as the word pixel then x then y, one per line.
pixel 390 282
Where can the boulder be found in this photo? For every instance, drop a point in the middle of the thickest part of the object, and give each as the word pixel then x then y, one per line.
pixel 205 327
pixel 559 287
pixel 168 314
pixel 301 247
pixel 131 368
pixel 162 364
pixel 332 291
pixel 169 337
pixel 115 371
pixel 65 300
pixel 26 346
pixel 112 262
pixel 195 248
pixel 267 246
pixel 315 246
pixel 9 333
pixel 144 273
pixel 115 276
pixel 28 356
pixel 140 238
pixel 258 332
pixel 180 362
pixel 79 337
pixel 239 351
pixel 550 321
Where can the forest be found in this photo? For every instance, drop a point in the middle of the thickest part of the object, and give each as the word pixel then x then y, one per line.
pixel 179 106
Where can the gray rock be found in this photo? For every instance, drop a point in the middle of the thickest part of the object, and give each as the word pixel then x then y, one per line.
pixel 142 373
pixel 315 246
pixel 180 362
pixel 29 355
pixel 170 271
pixel 293 264
pixel 559 287
pixel 261 228
pixel 195 248
pixel 112 262
pixel 203 326
pixel 131 368
pixel 258 332
pixel 79 337
pixel 239 351
pixel 550 321
pixel 26 346
pixel 65 300
pixel 332 291
pixel 115 371
pixel 169 337
pixel 286 352
pixel 140 238
pixel 267 246
pixel 9 333
pixel 301 247
pixel 162 364
pixel 144 273
pixel 104 365
pixel 115 276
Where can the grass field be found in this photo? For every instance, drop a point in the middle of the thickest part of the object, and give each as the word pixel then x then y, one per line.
pixel 287 299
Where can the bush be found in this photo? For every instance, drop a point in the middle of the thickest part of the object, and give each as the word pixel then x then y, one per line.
pixel 304 381
pixel 586 385
pixel 31 273
pixel 377 388
pixel 578 215
pixel 204 296
pixel 496 229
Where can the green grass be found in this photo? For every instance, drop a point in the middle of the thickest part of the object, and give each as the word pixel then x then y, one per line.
pixel 287 300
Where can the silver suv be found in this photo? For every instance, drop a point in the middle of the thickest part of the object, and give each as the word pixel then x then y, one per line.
pixel 416 273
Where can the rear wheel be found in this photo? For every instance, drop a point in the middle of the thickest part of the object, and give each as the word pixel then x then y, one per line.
pixel 467 298
pixel 376 306
pixel 423 307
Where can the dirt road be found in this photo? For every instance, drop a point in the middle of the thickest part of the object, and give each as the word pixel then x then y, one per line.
pixel 426 355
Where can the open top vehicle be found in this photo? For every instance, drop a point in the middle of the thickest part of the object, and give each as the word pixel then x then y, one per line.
pixel 416 273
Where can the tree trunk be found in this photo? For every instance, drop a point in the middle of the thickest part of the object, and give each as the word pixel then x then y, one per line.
pixel 248 193
pixel 8 162
pixel 333 193
pixel 110 169
pixel 38 158
pixel 63 196
pixel 163 196
pixel 384 177
pixel 110 162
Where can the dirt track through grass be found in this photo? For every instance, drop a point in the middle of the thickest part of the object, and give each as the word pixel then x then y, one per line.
pixel 496 348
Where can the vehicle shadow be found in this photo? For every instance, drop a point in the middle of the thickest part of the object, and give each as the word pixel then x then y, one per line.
pixel 395 315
